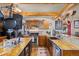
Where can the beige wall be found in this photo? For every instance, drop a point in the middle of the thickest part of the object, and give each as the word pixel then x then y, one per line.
pixel 48 19
pixel 75 17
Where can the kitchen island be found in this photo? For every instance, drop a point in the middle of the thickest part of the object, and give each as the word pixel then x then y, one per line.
pixel 63 47
pixel 21 49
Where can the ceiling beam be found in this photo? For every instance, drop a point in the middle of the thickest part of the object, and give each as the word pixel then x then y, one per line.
pixel 66 8
pixel 62 10
pixel 39 13
pixel 71 6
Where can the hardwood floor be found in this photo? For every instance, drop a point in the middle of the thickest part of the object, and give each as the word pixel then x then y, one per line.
pixel 39 51
pixel 34 50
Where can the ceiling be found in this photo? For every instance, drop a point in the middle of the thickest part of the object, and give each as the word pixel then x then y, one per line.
pixel 4 4
pixel 42 9
pixel 51 9
pixel 76 8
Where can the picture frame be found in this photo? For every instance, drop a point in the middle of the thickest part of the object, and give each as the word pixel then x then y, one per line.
pixel 76 23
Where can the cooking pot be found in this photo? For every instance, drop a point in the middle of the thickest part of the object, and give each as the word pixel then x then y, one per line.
pixel 9 23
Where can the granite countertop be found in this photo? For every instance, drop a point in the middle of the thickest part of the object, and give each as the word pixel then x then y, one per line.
pixel 15 51
pixel 64 45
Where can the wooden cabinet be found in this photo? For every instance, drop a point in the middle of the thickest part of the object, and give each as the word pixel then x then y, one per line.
pixel 49 47
pixel 64 48
pixel 63 52
pixel 22 49
pixel 27 50
pixel 42 40
pixel 49 44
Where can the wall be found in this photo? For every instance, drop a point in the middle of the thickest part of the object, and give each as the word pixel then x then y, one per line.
pixel 73 30
pixel 50 19
pixel 75 17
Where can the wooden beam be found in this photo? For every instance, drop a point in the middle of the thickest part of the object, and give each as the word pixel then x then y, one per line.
pixel 39 13
pixel 66 8
pixel 71 6
pixel 62 10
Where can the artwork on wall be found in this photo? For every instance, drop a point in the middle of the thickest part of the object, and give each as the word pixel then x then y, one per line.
pixel 37 24
pixel 76 23
pixel 58 25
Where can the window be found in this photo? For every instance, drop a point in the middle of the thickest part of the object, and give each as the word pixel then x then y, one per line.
pixel 58 25
pixel 76 24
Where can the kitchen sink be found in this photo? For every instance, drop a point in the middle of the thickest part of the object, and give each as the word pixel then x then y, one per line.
pixel 53 38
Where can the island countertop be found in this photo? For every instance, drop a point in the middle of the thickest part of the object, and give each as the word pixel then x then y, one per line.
pixel 62 44
pixel 15 51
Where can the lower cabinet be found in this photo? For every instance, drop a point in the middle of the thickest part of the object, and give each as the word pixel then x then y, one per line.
pixel 49 47
pixel 22 53
pixel 42 40
pixel 27 50
pixel 63 52
pixel 53 49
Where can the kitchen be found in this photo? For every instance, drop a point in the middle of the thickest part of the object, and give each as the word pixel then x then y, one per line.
pixel 39 29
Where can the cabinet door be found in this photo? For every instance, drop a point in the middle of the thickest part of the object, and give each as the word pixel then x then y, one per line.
pixel 41 40
pixel 50 47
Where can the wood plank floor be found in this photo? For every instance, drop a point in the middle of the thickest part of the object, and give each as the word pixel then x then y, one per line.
pixel 39 51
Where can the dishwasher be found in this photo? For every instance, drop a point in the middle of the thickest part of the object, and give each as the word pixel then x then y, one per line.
pixel 57 51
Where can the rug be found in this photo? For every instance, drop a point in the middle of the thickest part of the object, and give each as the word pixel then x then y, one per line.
pixel 42 51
